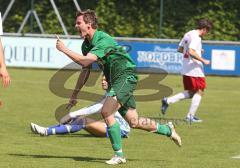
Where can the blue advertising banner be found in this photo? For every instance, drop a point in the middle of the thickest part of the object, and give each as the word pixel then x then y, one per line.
pixel 224 59
pixel 163 56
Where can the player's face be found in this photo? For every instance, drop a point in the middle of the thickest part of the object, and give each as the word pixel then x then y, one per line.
pixel 82 27
pixel 104 84
pixel 205 31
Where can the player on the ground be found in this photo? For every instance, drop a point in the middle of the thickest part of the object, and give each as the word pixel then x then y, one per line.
pixel 77 120
pixel 93 126
pixel 120 72
pixel 192 71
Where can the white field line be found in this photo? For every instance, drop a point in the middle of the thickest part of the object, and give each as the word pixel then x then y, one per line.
pixel 236 157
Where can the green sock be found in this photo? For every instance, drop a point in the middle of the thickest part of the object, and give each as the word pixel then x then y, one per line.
pixel 115 138
pixel 163 129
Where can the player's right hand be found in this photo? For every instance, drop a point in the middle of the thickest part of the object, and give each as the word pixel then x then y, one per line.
pixel 59 44
pixel 5 77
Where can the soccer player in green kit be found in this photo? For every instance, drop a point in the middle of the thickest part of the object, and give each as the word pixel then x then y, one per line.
pixel 119 70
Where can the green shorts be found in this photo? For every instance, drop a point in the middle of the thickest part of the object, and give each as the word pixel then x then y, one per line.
pixel 123 89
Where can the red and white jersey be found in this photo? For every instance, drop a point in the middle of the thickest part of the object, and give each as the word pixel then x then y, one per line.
pixel 1 29
pixel 192 67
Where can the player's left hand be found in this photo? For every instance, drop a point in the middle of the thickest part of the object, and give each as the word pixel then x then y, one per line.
pixel 59 44
pixel 206 62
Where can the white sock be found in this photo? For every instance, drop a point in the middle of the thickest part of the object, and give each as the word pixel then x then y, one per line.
pixel 195 103
pixel 178 97
pixel 53 131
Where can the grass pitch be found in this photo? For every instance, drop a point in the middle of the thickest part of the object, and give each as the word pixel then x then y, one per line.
pixel 210 144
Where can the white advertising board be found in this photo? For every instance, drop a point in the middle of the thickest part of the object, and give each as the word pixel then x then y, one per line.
pixel 37 52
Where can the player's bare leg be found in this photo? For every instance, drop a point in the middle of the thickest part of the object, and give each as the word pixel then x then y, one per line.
pixel 152 126
pixel 139 122
pixel 94 127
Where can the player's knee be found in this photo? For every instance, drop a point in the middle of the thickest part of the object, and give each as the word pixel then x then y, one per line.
pixel 133 123
pixel 105 114
pixel 134 126
pixel 200 92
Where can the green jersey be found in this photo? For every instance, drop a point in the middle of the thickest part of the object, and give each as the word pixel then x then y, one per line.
pixel 112 58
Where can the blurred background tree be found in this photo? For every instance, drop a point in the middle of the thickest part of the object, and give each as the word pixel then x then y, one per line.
pixel 132 18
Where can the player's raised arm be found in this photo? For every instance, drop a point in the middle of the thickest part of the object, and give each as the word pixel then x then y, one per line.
pixel 78 58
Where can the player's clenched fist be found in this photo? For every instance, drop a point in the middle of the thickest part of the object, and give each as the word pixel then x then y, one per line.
pixel 206 62
pixel 59 44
